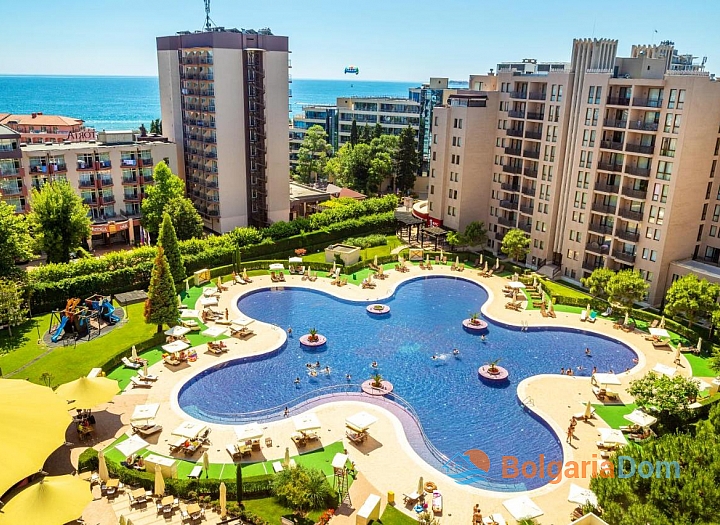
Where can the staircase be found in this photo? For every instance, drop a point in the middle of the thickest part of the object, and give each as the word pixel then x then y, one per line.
pixel 550 271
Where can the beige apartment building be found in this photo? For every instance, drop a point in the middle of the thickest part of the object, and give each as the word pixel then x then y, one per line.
pixel 224 101
pixel 393 114
pixel 604 162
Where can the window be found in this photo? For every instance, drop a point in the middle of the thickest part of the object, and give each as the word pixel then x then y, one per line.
pixel 598 94
pixel 588 116
pixel 672 99
pixel 434 138
pixel 717 146
pixel 713 231
pixel 450 194
pixel 559 96
pixel 459 141
pixel 430 206
pixel 660 192
pixel 704 212
pixel 432 189
pixel 668 123
pixel 716 213
pixel 551 114
pixel 648 233
pixel 709 190
pixel 454 141
pixel 591 95
pixel 664 170
pixel 432 172
pixel 553 93
pixel 547 173
pixel 712 168
pixel 436 121
pixel 549 154
pixel 656 236
pixel 681 99
pixel 583 180
pixel 595 117
pixel 460 123
pixel 455 125
pixel 676 124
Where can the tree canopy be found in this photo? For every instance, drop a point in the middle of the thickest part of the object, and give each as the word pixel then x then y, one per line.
pixel 407 161
pixel 167 187
pixel 302 488
pixel 691 297
pixel 15 240
pixel 626 287
pixel 667 397
pixel 598 281
pixel 161 306
pixel 185 218
pixel 516 244
pixel 313 155
pixel 12 310
pixel 169 243
pixel 59 220
pixel 364 167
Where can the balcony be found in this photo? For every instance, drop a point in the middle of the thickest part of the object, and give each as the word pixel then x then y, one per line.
pixel 7 191
pixel 604 208
pixel 611 123
pixel 516 114
pixel 518 94
pixel 86 183
pixel 56 168
pixel 108 199
pixel 535 116
pixel 615 101
pixel 131 197
pixel 106 181
pixel 499 236
pixel 627 235
pixel 648 102
pixel 529 172
pixel 532 154
pixel 595 247
pixel 527 227
pixel 592 265
pixel 535 135
pixel 624 256
pixel 634 193
pixel 513 151
pixel 537 96
pixel 609 144
pixel 609 166
pixel 10 172
pixel 85 166
pixel 90 201
pixel 148 161
pixel 606 188
pixel 514 132
pixel 104 164
pixel 509 205
pixel 627 213
pixel 639 125
pixel 510 168
pixel 506 222
pixel 527 210
pixel 509 187
pixel 636 170
pixel 639 148
pixel 528 190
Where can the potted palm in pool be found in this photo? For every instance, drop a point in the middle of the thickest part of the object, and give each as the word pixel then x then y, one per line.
pixel 313 335
pixel 493 368
pixel 475 319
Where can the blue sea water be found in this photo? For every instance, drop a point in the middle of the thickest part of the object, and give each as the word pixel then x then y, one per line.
pixel 457 410
pixel 116 103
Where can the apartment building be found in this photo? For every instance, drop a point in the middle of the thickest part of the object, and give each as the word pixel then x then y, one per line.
pixel 316 115
pixel 110 175
pixel 604 162
pixel 38 128
pixel 224 99
pixel 393 114
pixel 12 189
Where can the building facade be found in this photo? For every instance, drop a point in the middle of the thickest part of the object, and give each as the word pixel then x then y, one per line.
pixel 38 128
pixel 12 189
pixel 224 101
pixel 316 115
pixel 393 114
pixel 603 161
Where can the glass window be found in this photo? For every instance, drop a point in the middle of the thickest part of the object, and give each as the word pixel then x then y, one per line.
pixel 598 94
pixel 591 95
pixel 681 99
pixel 672 99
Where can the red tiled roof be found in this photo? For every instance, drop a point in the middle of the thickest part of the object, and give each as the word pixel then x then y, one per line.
pixel 39 120
pixel 347 192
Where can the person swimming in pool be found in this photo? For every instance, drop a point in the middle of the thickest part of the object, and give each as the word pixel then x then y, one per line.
pixel 483 338
pixel 348 377
pixel 456 352
pixel 588 353
pixel 374 364
pixel 434 357
pixel 327 370
pixel 297 381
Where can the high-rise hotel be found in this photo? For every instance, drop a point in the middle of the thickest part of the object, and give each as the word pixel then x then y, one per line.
pixel 604 162
pixel 224 101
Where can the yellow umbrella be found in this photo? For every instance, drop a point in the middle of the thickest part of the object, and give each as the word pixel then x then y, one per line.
pixel 286 461
pixel 102 467
pixel 375 261
pixel 588 410
pixel 223 500
pixel 244 274
pixel 206 464
pixel 159 481
pixel 421 486
pixel 34 421
pixel 88 392
pixel 56 499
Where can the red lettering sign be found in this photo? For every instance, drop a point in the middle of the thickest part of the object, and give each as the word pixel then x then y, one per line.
pixel 81 136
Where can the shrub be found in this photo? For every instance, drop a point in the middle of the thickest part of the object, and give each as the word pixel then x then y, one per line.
pixel 88 460
pixel 367 242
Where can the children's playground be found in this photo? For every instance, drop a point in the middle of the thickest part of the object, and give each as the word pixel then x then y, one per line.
pixel 82 320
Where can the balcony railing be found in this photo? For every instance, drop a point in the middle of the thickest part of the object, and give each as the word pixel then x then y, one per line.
pixel 602 229
pixel 533 154
pixel 506 222
pixel 90 202
pixel 527 227
pixel 509 187
pixel 595 247
pixel 510 168
pixel 528 190
pixel 104 164
pixel 636 170
pixel 634 193
pixel 514 132
pixel 624 256
pixel 627 213
pixel 606 188
pixel 639 125
pixel 10 190
pixel 615 101
pixel 648 102
pixel 611 123
pixel 85 183
pixel 592 265
pixel 535 116
pixel 499 236
pixel 608 144
pixel 639 148
pixel 106 182
pixel 608 166
pixel 131 197
pixel 516 114
pixel 537 96
pixel 518 94
pixel 627 235
pixel 536 135
pixel 148 161
pixel 604 208
pixel 513 151
pixel 58 167
pixel 529 172
pixel 509 205
pixel 108 199
pixel 527 210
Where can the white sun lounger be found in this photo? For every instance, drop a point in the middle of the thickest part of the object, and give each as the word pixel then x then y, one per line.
pixel 130 364
pixel 137 382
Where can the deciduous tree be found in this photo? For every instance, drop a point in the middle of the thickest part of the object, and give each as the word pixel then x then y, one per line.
pixel 407 161
pixel 185 218
pixel 169 243
pixel 12 304
pixel 667 397
pixel 59 220
pixel 691 297
pixel 597 281
pixel 302 488
pixel 313 155
pixel 626 287
pixel 516 244
pixel 167 187
pixel 475 234
pixel 15 240
pixel 161 306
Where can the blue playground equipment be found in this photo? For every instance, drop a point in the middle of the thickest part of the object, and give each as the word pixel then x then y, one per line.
pixel 60 329
pixel 103 307
pixel 74 319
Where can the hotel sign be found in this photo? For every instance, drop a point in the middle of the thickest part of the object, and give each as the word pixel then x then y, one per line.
pixel 110 227
pixel 81 136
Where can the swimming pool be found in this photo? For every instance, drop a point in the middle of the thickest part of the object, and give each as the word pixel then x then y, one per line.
pixel 457 411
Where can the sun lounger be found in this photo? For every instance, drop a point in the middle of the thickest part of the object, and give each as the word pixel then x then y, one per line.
pixel 422 266
pixel 281 277
pixel 356 437
pixel 147 430
pixel 581 415
pixel 411 498
pixel 137 382
pixel 607 312
pixel 239 280
pixel 130 364
pixel 494 519
pixel 593 317
pixel 148 377
pixel 489 274
pixel 583 315
pixel 654 323
pixel 661 344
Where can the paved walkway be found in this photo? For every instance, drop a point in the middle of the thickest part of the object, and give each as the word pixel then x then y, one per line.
pixel 387 461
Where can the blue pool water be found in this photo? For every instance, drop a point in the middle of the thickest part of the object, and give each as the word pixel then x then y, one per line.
pixel 457 411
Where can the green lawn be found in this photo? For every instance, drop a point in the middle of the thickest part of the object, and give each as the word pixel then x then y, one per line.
pixel 366 254
pixel 700 366
pixel 271 511
pixel 559 289
pixel 392 516
pixel 613 414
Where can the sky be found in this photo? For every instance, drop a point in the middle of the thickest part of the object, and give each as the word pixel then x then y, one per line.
pixel 387 40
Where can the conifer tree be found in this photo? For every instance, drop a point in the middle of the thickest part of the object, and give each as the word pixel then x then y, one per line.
pixel 407 161
pixel 168 240
pixel 354 137
pixel 161 306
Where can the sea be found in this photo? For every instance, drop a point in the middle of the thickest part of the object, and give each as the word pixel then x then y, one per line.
pixel 121 103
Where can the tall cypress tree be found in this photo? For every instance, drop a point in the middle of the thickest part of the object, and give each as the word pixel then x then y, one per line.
pixel 168 240
pixel 407 161
pixel 161 306
pixel 354 134
pixel 377 131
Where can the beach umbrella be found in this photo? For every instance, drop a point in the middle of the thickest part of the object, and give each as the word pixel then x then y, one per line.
pixel 662 322
pixel 206 463
pixel 245 275
pixel 187 285
pixel 486 267
pixel 53 499
pixel 88 392
pixel 497 263
pixel 535 283
pixel 145 372
pixel 481 258
pixel 427 259
pixel 552 308
pixel 587 309
pixel 286 460
pixel 375 261
pixel 223 500
pixel 588 410
pixel 421 485
pixel 457 261
pixel 102 467
pixel 699 344
pixel 159 481
pixel 134 354
pixel 676 357
pixel 581 496
pixel 627 317
pixel 334 266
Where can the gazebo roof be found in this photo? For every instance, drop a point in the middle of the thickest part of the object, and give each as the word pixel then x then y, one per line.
pixel 435 231
pixel 407 218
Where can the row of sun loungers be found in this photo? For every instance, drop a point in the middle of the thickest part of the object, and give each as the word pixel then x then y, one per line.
pixel 514 305
pixel 489 273
pixel 427 266
pixel 278 277
pixel 340 281
pixel 308 276
pixel 401 268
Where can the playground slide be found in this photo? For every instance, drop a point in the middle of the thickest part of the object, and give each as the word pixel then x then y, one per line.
pixel 107 312
pixel 58 333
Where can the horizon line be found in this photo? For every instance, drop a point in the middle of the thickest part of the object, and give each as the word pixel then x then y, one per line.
pixel 63 75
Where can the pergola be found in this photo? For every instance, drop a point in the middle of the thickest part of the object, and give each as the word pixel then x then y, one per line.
pixel 407 220
pixel 435 233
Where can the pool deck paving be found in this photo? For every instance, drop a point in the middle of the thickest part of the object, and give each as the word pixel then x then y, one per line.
pixel 386 461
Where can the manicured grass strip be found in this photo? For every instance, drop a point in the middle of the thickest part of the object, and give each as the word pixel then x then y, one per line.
pixel 123 374
pixel 321 459
pixel 392 516
pixel 271 511
pixel 613 414
pixel 700 366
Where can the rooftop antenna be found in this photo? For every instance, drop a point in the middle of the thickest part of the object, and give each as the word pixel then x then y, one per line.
pixel 208 22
